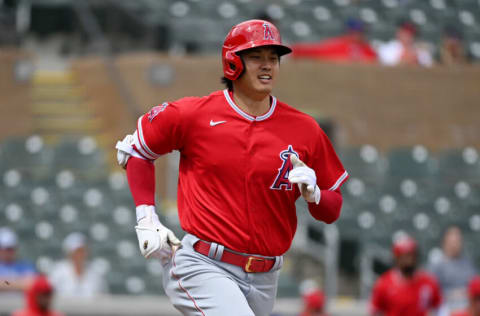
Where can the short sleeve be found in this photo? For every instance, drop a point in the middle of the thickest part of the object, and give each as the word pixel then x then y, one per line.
pixel 159 131
pixel 329 170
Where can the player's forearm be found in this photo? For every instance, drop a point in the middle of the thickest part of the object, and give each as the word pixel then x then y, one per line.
pixel 328 210
pixel 141 179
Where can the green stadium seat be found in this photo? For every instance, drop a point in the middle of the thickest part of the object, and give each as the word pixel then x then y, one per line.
pixel 81 156
pixel 363 162
pixel 381 31
pixel 287 286
pixel 413 162
pixel 457 164
pixel 28 155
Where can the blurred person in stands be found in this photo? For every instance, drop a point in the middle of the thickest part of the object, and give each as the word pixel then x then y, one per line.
pixel 451 48
pixel 405 49
pixel 349 47
pixel 38 299
pixel 405 289
pixel 453 270
pixel 473 308
pixel 313 303
pixel 74 277
pixel 15 274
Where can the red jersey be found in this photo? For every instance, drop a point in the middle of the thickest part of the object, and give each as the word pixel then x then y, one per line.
pixel 395 295
pixel 233 186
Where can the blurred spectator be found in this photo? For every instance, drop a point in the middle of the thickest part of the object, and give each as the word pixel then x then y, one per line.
pixel 313 299
pixel 38 299
pixel 453 270
pixel 405 289
pixel 74 277
pixel 451 48
pixel 313 303
pixel 350 47
pixel 474 298
pixel 15 274
pixel 404 49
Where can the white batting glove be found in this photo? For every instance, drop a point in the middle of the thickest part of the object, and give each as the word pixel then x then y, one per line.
pixel 124 150
pixel 306 180
pixel 154 239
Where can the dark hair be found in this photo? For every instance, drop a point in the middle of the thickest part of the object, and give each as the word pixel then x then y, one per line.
pixel 227 82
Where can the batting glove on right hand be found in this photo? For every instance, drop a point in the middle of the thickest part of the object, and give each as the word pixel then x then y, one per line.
pixel 124 150
pixel 154 239
pixel 306 180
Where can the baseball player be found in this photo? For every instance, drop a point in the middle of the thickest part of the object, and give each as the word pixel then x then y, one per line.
pixel 405 290
pixel 474 297
pixel 245 159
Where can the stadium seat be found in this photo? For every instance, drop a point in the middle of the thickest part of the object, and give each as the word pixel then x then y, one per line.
pixel 81 156
pixel 459 164
pixel 28 155
pixel 363 162
pixel 413 162
pixel 287 286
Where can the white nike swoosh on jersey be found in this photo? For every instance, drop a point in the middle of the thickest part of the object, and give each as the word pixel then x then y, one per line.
pixel 212 123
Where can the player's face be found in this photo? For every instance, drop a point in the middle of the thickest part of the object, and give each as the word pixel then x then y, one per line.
pixel 261 69
pixel 44 301
pixel 407 263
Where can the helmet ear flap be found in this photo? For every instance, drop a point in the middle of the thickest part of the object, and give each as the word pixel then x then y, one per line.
pixel 233 65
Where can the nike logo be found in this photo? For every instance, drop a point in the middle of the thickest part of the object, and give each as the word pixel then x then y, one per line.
pixel 212 123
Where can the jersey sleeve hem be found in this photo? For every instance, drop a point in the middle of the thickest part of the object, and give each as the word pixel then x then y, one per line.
pixel 339 181
pixel 141 145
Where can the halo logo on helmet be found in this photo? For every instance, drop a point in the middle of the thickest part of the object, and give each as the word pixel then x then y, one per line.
pixel 267 33
pixel 246 35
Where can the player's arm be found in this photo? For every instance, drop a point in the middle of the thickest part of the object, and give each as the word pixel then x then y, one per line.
pixel 136 153
pixel 324 205
pixel 320 179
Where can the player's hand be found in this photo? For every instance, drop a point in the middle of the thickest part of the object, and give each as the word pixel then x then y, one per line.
pixel 306 180
pixel 154 239
pixel 124 150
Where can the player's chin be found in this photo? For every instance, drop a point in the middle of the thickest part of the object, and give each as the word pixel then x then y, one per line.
pixel 265 87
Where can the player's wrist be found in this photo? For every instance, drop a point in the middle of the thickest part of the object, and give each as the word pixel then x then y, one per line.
pixel 317 195
pixel 146 213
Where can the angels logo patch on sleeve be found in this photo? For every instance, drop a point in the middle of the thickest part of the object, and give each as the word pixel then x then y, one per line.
pixel 281 181
pixel 155 110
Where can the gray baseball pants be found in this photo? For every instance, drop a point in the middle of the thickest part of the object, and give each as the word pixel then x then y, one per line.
pixel 198 285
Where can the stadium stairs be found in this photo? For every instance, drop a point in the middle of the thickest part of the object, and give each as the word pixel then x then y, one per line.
pixel 60 108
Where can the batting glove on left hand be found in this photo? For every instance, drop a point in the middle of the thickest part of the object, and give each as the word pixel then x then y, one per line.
pixel 306 180
pixel 154 239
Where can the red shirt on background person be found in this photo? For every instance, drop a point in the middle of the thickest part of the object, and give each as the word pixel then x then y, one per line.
pixel 474 296
pixel 350 47
pixel 38 299
pixel 405 290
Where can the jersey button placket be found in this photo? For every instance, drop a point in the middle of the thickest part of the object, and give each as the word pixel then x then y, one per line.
pixel 248 184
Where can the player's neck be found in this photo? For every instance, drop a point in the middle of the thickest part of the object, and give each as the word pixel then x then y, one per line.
pixel 254 105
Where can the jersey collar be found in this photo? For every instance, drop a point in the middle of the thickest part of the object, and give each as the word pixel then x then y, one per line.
pixel 248 116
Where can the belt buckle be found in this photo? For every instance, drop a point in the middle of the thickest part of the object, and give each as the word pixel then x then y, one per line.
pixel 249 263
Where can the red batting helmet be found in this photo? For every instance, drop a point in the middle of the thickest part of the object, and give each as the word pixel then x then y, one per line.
pixel 404 245
pixel 246 35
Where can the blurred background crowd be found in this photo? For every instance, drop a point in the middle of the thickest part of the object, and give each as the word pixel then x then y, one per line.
pixel 394 83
